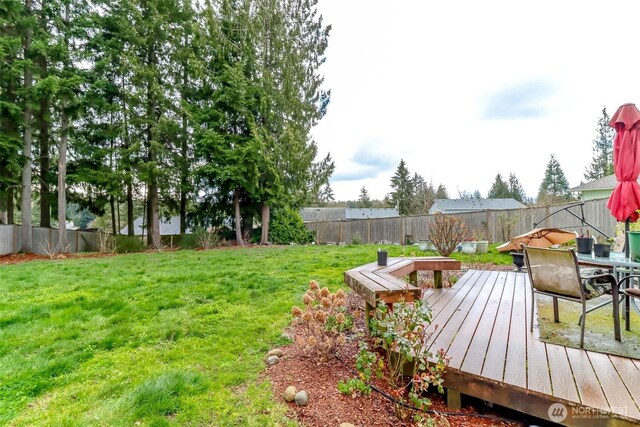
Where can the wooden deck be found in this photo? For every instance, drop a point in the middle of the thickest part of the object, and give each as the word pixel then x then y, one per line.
pixel 483 323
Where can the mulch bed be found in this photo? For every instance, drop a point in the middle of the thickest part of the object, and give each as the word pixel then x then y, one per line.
pixel 328 407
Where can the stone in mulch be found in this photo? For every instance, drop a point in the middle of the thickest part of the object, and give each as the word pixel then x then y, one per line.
pixel 290 393
pixel 302 398
pixel 272 360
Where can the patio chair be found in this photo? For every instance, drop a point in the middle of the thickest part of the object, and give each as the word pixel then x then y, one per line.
pixel 556 273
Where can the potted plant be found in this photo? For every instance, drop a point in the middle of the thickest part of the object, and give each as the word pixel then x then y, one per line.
pixel 602 250
pixel 584 243
pixel 518 257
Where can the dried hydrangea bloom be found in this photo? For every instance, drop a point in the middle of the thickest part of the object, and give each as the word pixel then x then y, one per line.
pixel 296 311
pixel 307 299
pixel 321 316
pixel 307 316
pixel 324 292
pixel 313 285
pixel 340 294
pixel 340 318
pixel 312 341
pixel 326 302
pixel 341 339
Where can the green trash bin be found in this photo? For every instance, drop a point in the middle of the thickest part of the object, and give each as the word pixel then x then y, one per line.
pixel 634 245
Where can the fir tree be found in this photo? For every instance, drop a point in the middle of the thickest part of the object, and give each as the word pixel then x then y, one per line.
pixel 499 189
pixel 602 161
pixel 402 186
pixel 554 187
pixel 364 201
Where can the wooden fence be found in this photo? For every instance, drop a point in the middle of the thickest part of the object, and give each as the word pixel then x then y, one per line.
pixel 46 238
pixel 492 225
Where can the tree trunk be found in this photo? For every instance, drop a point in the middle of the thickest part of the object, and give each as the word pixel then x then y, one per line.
pixel 154 215
pixel 266 217
pixel 42 120
pixel 62 180
pixel 238 219
pixel 184 152
pixel 112 202
pixel 130 230
pixel 27 232
pixel 10 206
pixel 62 155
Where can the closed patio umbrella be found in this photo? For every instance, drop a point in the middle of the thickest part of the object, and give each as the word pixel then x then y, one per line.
pixel 625 199
pixel 539 238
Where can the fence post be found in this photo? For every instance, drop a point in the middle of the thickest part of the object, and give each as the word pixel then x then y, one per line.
pixel 340 233
pixel 369 230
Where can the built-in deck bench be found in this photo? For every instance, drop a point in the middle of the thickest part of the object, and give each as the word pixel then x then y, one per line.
pixel 384 283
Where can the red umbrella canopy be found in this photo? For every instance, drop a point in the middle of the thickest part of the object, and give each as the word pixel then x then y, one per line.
pixel 625 199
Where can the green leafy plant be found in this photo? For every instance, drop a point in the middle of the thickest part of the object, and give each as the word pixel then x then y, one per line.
pixel 126 244
pixel 323 321
pixel 356 239
pixel 354 387
pixel 286 227
pixel 402 334
pixel 446 232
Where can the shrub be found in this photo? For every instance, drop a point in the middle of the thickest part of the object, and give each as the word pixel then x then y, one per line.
pixel 286 227
pixel 446 232
pixel 401 332
pixel 356 239
pixel 207 238
pixel 125 244
pixel 354 387
pixel 323 321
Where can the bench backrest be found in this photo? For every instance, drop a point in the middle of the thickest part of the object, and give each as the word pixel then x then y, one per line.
pixel 554 270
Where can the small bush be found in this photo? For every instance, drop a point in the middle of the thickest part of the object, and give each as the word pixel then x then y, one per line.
pixel 356 239
pixel 446 232
pixel 323 319
pixel 286 227
pixel 401 333
pixel 126 244
pixel 207 238
pixel 354 387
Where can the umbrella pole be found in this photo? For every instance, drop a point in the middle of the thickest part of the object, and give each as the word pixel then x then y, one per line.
pixel 626 238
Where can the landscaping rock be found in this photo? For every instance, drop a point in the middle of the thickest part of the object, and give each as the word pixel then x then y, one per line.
pixel 302 398
pixel 286 336
pixel 272 360
pixel 346 425
pixel 275 352
pixel 290 393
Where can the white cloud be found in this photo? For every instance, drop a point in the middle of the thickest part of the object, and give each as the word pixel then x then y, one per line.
pixel 417 80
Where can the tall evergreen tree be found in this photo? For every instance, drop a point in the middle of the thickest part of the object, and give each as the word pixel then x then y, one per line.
pixel 554 187
pixel 402 186
pixel 515 189
pixel 499 189
pixel 364 201
pixel 602 161
pixel 441 192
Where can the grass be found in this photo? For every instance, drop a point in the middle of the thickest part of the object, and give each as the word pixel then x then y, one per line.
pixel 156 339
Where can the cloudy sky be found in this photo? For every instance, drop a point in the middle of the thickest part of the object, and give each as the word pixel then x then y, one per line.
pixel 464 90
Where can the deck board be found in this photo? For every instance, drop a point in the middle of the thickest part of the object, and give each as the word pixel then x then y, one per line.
pixel 474 359
pixel 494 364
pixel 538 376
pixel 484 323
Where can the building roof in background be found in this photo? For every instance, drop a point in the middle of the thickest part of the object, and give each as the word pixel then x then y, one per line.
pixel 167 227
pixel 343 214
pixel 606 183
pixel 471 205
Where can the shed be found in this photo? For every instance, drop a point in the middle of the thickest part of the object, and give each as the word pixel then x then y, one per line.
pixel 345 214
pixel 168 227
pixel 449 206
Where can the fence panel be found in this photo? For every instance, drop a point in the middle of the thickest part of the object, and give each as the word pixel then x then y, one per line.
pixel 44 239
pixel 495 226
pixel 6 239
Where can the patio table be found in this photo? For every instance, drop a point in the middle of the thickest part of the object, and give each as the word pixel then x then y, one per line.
pixel 619 263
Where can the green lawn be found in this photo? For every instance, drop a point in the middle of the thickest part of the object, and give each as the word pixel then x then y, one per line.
pixel 167 338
